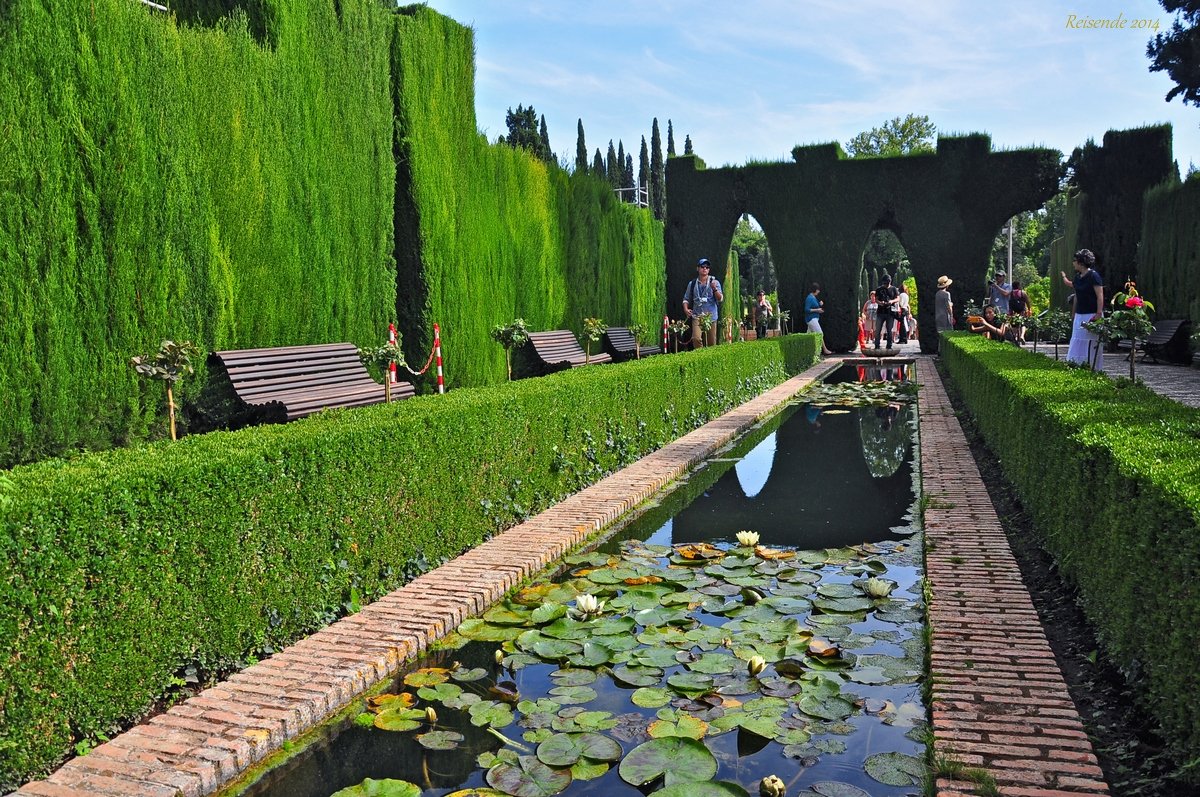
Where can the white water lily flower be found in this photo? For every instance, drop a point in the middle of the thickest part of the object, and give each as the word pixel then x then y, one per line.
pixel 499 656
pixel 771 786
pixel 747 538
pixel 879 587
pixel 430 714
pixel 755 665
pixel 587 605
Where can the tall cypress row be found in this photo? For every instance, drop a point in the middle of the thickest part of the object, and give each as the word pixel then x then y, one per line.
pixel 658 177
pixel 670 140
pixel 598 168
pixel 621 170
pixel 629 177
pixel 611 167
pixel 581 158
pixel 544 134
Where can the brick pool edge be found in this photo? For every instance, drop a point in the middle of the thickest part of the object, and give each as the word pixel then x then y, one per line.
pixel 1000 703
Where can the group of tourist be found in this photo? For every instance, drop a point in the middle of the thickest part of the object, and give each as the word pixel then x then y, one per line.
pixel 887 310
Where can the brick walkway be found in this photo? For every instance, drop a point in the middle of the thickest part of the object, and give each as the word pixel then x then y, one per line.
pixel 999 699
pixel 202 744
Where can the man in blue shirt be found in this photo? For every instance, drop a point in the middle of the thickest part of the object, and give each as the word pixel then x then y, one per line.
pixel 702 296
pixel 814 308
pixel 998 292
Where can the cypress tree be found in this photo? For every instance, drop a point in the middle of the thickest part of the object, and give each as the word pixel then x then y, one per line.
pixel 598 165
pixel 658 193
pixel 643 168
pixel 621 170
pixel 581 159
pixel 687 146
pixel 629 177
pixel 611 168
pixel 546 153
pixel 670 140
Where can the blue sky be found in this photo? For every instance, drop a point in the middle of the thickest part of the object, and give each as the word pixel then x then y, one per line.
pixel 749 80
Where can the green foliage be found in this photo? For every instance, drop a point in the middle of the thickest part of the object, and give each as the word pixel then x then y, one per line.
pixel 523 132
pixel 909 135
pixel 486 233
pixel 818 212
pixel 1111 474
pixel 756 269
pixel 658 175
pixel 512 335
pixel 1170 249
pixel 1177 52
pixel 593 330
pixel 170 364
pixel 581 158
pixel 177 180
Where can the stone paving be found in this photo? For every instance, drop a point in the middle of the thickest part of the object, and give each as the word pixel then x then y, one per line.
pixel 999 700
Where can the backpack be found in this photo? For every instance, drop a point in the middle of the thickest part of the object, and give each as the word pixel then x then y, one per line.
pixel 1018 302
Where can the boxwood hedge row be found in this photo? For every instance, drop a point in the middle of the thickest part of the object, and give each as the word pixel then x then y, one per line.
pixel 1111 474
pixel 126 571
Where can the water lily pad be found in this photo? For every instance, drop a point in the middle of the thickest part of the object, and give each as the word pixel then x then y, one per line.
pixel 556 649
pixel 844 605
pixel 712 788
pixel 592 655
pixel 895 769
pixel 565 749
pixel 690 682
pixel 585 769
pixel 392 700
pixel 529 778
pixel 572 694
pixel 674 758
pixel 573 677
pixel 478 791
pixel 439 740
pixel 490 713
pixel 829 708
pixel 683 725
pixel 547 612
pixel 648 697
pixel 400 719
pixel 501 614
pixel 654 657
pixel 463 675
pixel 833 788
pixel 637 676
pixel 838 590
pixel 483 631
pixel 427 676
pixel 715 663
pixel 439 693
pixel 583 721
pixel 380 788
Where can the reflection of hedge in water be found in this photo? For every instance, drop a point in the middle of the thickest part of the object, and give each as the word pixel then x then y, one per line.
pixel 486 233
pixel 885 439
pixel 817 212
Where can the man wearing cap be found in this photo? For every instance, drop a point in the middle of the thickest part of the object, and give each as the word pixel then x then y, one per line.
pixel 998 292
pixel 943 308
pixel 702 296
pixel 762 313
pixel 888 299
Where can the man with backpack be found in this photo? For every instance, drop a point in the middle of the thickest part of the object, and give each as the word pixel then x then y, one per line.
pixel 702 296
pixel 888 299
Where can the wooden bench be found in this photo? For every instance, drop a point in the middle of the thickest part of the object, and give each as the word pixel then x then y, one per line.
pixel 619 342
pixel 1169 340
pixel 295 381
pixel 558 350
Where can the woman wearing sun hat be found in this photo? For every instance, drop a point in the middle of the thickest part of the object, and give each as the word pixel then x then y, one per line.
pixel 943 308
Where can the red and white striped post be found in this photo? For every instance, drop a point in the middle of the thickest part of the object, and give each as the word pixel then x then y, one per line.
pixel 437 352
pixel 666 322
pixel 392 366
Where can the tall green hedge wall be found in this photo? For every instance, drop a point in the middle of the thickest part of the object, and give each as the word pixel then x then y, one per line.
pixel 1105 215
pixel 1170 250
pixel 1110 473
pixel 262 179
pixel 174 181
pixel 124 567
pixel 486 233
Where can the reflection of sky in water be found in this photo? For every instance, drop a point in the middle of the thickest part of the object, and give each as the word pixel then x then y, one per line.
pixel 754 469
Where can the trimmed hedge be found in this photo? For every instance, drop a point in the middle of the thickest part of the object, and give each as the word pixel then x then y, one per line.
pixel 1111 474
pixel 124 568
pixel 1170 250
pixel 486 233
pixel 818 212
pixel 163 180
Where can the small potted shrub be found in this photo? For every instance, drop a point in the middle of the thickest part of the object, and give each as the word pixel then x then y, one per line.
pixel 512 335
pixel 170 364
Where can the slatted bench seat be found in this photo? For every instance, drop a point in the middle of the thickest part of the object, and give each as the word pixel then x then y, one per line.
pixel 619 342
pixel 1169 340
pixel 299 380
pixel 558 350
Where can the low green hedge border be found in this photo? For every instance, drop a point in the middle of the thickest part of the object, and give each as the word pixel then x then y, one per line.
pixel 127 572
pixel 1111 474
